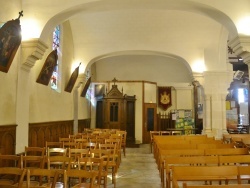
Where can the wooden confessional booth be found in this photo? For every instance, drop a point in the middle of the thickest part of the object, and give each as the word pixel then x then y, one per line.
pixel 116 111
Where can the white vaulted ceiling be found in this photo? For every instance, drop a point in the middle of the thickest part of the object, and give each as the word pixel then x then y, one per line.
pixel 191 31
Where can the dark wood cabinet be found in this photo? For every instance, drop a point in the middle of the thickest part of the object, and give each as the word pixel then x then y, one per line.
pixel 116 111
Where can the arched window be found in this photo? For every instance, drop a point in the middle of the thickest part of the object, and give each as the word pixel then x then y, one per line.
pixel 54 82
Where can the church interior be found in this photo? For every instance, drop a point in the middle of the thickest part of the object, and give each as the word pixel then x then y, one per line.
pixel 130 65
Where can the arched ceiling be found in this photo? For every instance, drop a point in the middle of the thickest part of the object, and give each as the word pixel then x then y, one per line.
pixel 185 29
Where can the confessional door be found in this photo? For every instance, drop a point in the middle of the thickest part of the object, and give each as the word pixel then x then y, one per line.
pixel 149 121
pixel 114 114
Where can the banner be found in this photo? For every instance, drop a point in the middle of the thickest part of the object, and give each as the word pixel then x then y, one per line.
pixel 164 97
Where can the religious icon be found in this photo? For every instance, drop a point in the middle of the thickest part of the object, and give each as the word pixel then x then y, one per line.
pixel 10 40
pixel 72 80
pixel 48 68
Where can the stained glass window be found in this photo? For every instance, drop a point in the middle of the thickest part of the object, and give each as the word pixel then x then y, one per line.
pixel 56 45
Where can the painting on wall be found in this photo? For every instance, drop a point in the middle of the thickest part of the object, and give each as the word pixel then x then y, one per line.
pixel 72 79
pixel 85 88
pixel 99 90
pixel 10 40
pixel 48 68
pixel 164 97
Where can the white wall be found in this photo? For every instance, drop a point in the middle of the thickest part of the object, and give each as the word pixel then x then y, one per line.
pixel 8 86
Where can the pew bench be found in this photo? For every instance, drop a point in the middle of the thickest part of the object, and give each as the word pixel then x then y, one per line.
pixel 185 161
pixel 217 186
pixel 203 173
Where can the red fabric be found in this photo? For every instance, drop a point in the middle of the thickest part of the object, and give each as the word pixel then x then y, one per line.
pixel 164 97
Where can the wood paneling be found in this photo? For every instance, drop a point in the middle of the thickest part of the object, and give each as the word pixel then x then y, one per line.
pixel 39 133
pixel 8 139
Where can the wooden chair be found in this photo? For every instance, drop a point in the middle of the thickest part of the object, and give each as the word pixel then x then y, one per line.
pixel 92 164
pixel 176 132
pixel 152 134
pixel 48 178
pixel 111 162
pixel 32 161
pixel 117 142
pixel 123 135
pixel 35 151
pixel 163 133
pixel 83 176
pixel 75 153
pixel 88 145
pixel 68 143
pixel 105 155
pixel 12 177
pixel 52 145
pixel 56 151
pixel 59 162
pixel 79 141
pixel 10 161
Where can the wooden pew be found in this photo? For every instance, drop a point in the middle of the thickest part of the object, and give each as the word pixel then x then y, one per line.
pixel 227 151
pixel 177 153
pixel 243 173
pixel 187 161
pixel 214 146
pixel 234 160
pixel 203 173
pixel 217 186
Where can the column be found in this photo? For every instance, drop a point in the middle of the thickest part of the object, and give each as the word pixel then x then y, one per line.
pixel 31 51
pixel 207 115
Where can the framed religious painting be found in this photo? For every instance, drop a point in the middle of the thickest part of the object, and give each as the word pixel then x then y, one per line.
pixel 164 97
pixel 85 88
pixel 72 80
pixel 48 68
pixel 10 40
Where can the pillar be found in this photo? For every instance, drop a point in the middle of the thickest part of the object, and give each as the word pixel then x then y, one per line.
pixel 31 51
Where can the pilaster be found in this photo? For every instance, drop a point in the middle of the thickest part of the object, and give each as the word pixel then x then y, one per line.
pixel 31 51
pixel 216 84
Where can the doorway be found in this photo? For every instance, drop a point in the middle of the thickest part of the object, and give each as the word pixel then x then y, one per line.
pixel 149 121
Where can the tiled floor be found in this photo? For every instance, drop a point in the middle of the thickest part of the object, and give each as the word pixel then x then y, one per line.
pixel 138 169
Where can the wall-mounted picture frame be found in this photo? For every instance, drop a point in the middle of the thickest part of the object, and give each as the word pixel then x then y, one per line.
pixel 10 40
pixel 85 88
pixel 72 80
pixel 99 90
pixel 48 68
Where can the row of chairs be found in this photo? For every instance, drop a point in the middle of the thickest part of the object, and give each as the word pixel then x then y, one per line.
pixel 58 158
pixel 48 178
pixel 97 136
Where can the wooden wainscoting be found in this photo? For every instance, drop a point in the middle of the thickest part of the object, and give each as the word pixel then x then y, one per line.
pixel 8 139
pixel 39 133
pixel 83 123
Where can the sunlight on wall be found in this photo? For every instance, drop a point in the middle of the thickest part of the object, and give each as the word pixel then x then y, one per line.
pixel 76 64
pixel 30 29
pixel 243 26
pixel 198 66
